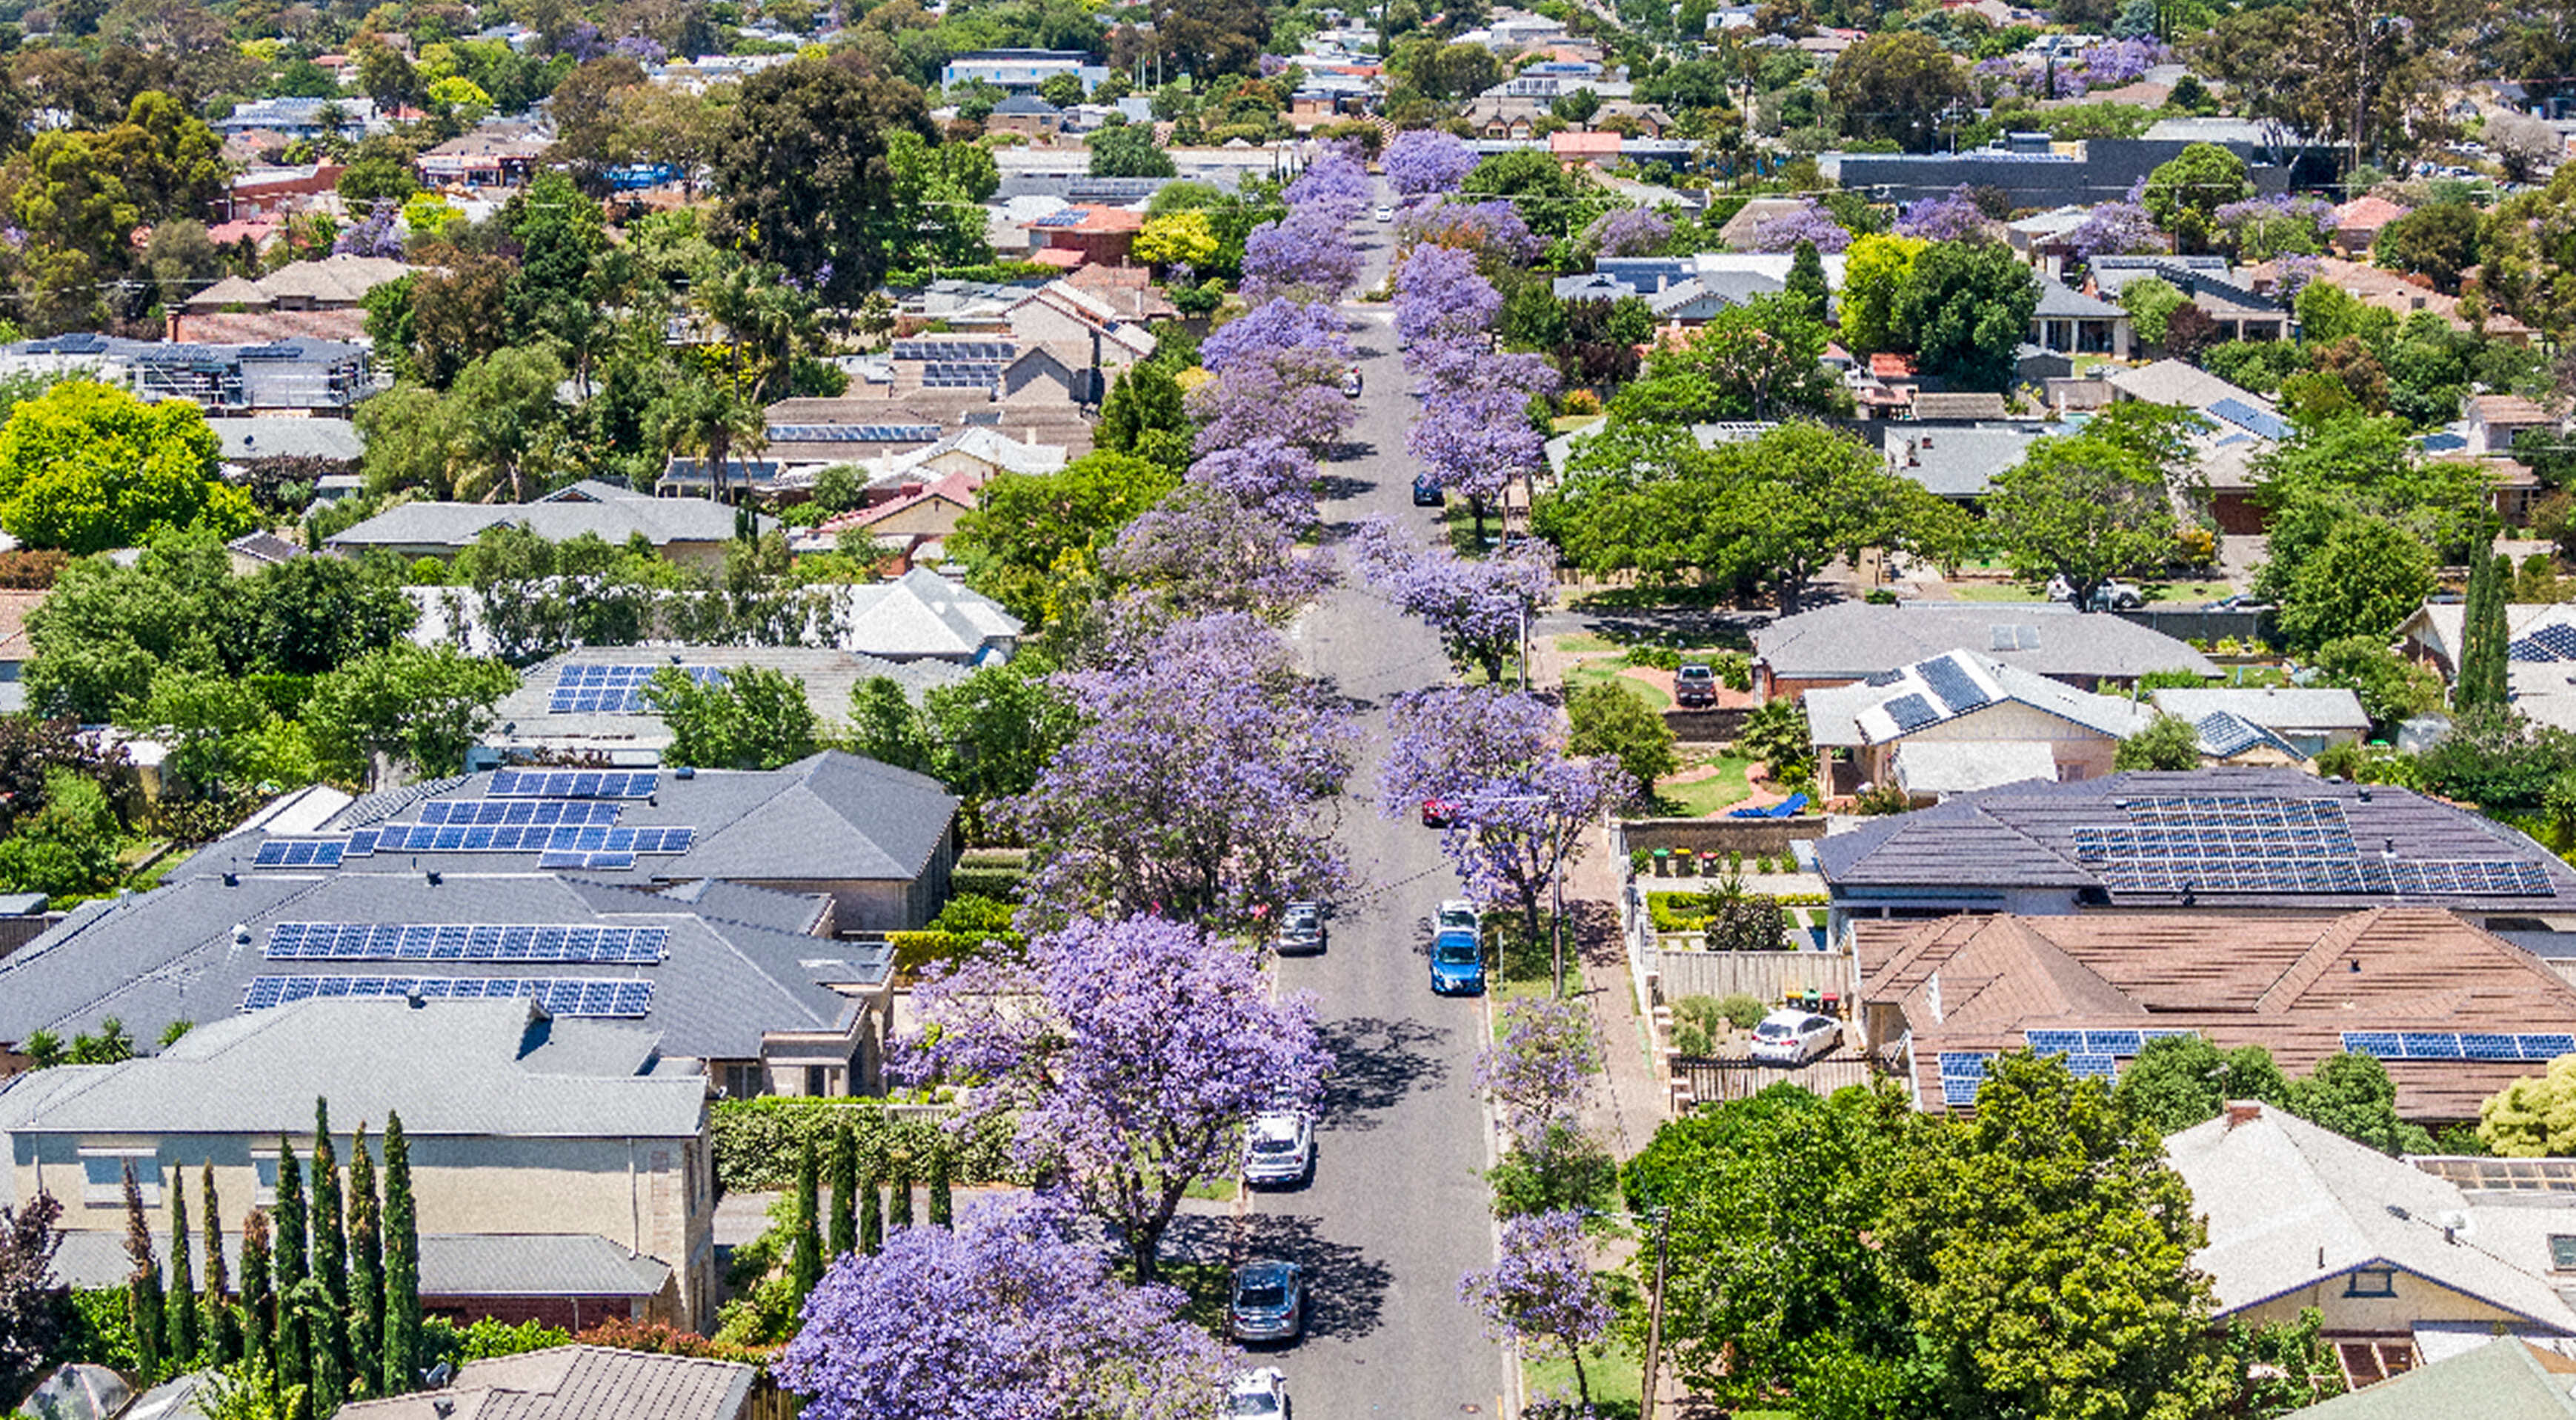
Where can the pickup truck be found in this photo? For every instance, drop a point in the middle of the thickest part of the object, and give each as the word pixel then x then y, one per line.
pixel 1695 686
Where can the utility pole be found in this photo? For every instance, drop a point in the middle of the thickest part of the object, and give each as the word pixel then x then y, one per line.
pixel 1654 1319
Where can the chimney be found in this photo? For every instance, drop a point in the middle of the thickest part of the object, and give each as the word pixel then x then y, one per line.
pixel 2243 1112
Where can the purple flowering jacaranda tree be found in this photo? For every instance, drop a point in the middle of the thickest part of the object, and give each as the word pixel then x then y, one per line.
pixel 1275 332
pixel 1127 1057
pixel 1335 183
pixel 1810 223
pixel 1192 787
pixel 1539 1071
pixel 1951 217
pixel 1479 607
pixel 376 236
pixel 1008 1315
pixel 1490 229
pixel 1474 434
pixel 2118 228
pixel 1199 552
pixel 1426 160
pixel 1283 402
pixel 1439 295
pixel 1308 256
pixel 1540 1294
pixel 1269 476
pixel 1630 231
pixel 1497 757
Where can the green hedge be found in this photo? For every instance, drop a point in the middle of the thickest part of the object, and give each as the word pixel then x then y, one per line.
pixel 756 1141
pixel 1003 883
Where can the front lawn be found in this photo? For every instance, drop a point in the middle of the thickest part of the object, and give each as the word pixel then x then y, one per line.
pixel 1616 1374
pixel 1589 673
pixel 1696 798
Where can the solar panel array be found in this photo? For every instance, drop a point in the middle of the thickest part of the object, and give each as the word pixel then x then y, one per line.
pixel 300 853
pixel 2463 1045
pixel 2121 1042
pixel 1884 678
pixel 1961 1073
pixel 992 351
pixel 531 838
pixel 572 784
pixel 514 812
pixel 2012 638
pixel 2226 734
pixel 450 941
pixel 960 375
pixel 2246 416
pixel 2549 643
pixel 854 433
pixel 614 690
pixel 1957 689
pixel 2255 843
pixel 1911 712
pixel 2382 877
pixel 560 995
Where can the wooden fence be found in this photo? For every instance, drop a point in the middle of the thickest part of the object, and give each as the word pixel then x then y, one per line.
pixel 1722 1079
pixel 1764 976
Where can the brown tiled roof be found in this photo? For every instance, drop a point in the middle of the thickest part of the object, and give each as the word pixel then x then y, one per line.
pixel 2291 984
pixel 347 323
pixel 14 606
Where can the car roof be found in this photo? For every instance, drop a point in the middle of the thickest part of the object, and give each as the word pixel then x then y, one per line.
pixel 1265 1269
pixel 1456 934
pixel 1790 1015
pixel 1277 1121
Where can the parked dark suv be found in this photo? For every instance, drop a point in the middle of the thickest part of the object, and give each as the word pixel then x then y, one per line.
pixel 1694 686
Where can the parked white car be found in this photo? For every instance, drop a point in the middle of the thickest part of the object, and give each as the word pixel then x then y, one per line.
pixel 1457 913
pixel 1795 1037
pixel 1279 1148
pixel 1259 1395
pixel 2113 595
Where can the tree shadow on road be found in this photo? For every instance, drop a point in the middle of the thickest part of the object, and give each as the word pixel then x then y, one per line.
pixel 1345 1287
pixel 1376 1063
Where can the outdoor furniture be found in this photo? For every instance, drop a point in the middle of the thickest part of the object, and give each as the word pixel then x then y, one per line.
pixel 1788 807
pixel 1749 811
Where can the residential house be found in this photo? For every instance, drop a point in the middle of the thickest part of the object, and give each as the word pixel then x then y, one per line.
pixel 1129 291
pixel 496 157
pixel 2490 422
pixel 2237 425
pixel 1590 148
pixel 2240 311
pixel 1852 641
pixel 912 526
pixel 1027 115
pixel 1939 999
pixel 1961 697
pixel 2405 1266
pixel 577 1383
pixel 559 1165
pixel 278 191
pixel 2307 722
pixel 2035 174
pixel 1021 71
pixel 253 551
pixel 2358 223
pixel 341 115
pixel 693 531
pixel 1957 461
pixel 2501 1376
pixel 2402 295
pixel 588 705
pixel 1634 119
pixel 15 651
pixel 242 442
pixel 289 376
pixel 2541 647
pixel 1061 313
pixel 2041 238
pixel 2254 841
pixel 1090 235
pixel 1749 219
pixel 321 300
pixel 2069 321
pixel 923 616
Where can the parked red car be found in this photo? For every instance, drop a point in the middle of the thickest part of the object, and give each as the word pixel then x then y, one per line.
pixel 1436 813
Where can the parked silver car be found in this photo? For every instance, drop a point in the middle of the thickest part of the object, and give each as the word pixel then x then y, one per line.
pixel 1301 929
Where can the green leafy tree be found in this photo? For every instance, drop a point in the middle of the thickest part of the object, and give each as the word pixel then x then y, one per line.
pixel 1143 402
pixel 1128 150
pixel 1762 360
pixel 258 1299
pixel 1895 84
pixel 2353 1096
pixel 223 1319
pixel 1876 271
pixel 2533 1118
pixel 844 1237
pixel 2367 579
pixel 330 1321
pixel 289 1267
pixel 143 1295
pixel 1607 720
pixel 2185 194
pixel 68 849
pixel 2151 302
pixel 2044 1249
pixel 2091 506
pixel 180 1315
pixel 1032 533
pixel 85 467
pixel 806 172
pixel 366 1269
pixel 2178 1081
pixel 1777 734
pixel 2343 466
pixel 806 1268
pixel 2437 241
pixel 1805 287
pixel 755 718
pixel 425 708
pixel 943 1207
pixel 871 1212
pixel 1966 311
pixel 2168 742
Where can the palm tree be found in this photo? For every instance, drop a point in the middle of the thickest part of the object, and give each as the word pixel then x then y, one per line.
pixel 707 417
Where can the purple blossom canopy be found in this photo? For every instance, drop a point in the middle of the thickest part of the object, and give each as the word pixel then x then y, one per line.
pixel 1810 223
pixel 376 236
pixel 2120 228
pixel 1425 160
pixel 643 49
pixel 1630 231
pixel 1006 1316
pixel 1335 183
pixel 1271 477
pixel 1252 403
pixel 1187 791
pixel 1540 1071
pixel 582 42
pixel 2295 272
pixel 1128 1055
pixel 1308 257
pixel 1541 1293
pixel 1439 295
pixel 1304 332
pixel 1951 217
pixel 1200 552
pixel 1478 606
pixel 1491 228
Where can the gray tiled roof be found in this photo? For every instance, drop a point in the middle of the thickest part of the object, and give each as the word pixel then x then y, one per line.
pixel 1850 640
pixel 277 437
pixel 175 954
pixel 577 1383
pixel 2024 836
pixel 614 514
pixel 2284 709
pixel 484 1069
pixel 2059 301
pixel 828 675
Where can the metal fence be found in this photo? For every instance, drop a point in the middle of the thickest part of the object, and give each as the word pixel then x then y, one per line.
pixel 1714 1079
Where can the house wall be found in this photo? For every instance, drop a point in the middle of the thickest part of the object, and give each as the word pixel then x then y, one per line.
pixel 2080 752
pixel 656 1196
pixel 932 517
pixel 2418 1299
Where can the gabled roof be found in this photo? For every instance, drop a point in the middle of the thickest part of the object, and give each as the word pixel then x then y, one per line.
pixel 2288 709
pixel 2279 1194
pixel 614 514
pixel 1951 687
pixel 576 1383
pixel 2499 1378
pixel 2368 212
pixel 2189 386
pixel 464 1068
pixel 2059 301
pixel 1851 640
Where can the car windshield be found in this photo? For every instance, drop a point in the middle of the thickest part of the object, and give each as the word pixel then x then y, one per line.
pixel 1254 1402
pixel 1301 919
pixel 1455 953
pixel 1261 1295
pixel 1273 1144
pixel 1772 1030
pixel 1697 673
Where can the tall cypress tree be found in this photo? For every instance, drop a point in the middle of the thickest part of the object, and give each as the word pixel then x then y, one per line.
pixel 143 1285
pixel 806 1267
pixel 366 1270
pixel 845 1192
pixel 289 1266
pixel 330 1324
pixel 2477 632
pixel 223 1326
pixel 330 1386
pixel 402 1263
pixel 1805 285
pixel 943 1207
pixel 258 1302
pixel 181 1312
pixel 871 1213
pixel 899 1207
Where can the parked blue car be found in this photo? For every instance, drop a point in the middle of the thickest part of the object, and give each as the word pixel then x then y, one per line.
pixel 1457 964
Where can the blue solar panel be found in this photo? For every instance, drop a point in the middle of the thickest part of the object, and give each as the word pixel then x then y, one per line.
pixel 2429 1045
pixel 2384 1044
pixel 1960 1091
pixel 2092 1067
pixel 615 690
pixel 2489 1047
pixel 1911 712
pixel 1956 687
pixel 518 812
pixel 2545 1045
pixel 2111 1042
pixel 561 996
pixel 2247 417
pixel 363 941
pixel 1964 1064
pixel 571 784
pixel 2058 1041
pixel 300 853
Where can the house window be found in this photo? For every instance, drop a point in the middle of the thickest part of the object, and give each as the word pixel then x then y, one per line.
pixel 103 1175
pixel 743 1082
pixel 2371 1282
pixel 818 1080
pixel 2562 1252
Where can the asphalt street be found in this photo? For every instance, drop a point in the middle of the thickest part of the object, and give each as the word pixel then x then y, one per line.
pixel 1397 1210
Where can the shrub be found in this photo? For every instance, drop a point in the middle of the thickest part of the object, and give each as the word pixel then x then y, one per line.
pixel 756 1141
pixel 1000 883
pixel 31 570
pixel 661 1339
pixel 1744 1012
pixel 1695 1024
